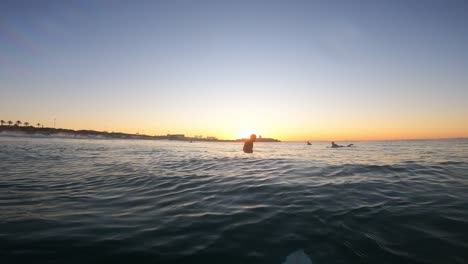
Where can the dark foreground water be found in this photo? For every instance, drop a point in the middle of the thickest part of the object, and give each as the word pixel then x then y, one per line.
pixel 118 201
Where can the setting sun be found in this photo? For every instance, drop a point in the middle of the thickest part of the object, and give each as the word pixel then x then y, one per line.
pixel 245 134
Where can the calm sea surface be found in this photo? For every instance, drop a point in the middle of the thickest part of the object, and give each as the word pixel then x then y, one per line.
pixel 134 201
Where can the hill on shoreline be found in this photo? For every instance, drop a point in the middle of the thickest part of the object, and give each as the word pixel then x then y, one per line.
pixel 47 131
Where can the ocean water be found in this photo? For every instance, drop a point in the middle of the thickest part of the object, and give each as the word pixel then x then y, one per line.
pixel 134 201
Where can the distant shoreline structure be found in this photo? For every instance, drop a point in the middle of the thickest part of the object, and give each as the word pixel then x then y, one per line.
pixel 48 131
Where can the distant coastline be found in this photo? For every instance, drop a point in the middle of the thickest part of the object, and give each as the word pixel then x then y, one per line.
pixel 47 131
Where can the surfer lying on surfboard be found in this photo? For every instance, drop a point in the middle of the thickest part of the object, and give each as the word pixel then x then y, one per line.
pixel 334 145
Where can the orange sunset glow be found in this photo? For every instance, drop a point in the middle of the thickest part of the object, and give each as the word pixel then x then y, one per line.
pixel 283 78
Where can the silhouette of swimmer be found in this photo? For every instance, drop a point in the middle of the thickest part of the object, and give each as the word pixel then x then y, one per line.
pixel 334 145
pixel 308 143
pixel 248 145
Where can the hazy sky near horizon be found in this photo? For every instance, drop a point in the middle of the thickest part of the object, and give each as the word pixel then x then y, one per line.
pixel 294 70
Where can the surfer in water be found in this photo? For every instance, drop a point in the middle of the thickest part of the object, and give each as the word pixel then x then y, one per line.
pixel 334 145
pixel 308 143
pixel 248 145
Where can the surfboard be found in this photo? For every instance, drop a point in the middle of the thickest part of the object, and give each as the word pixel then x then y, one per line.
pixel 298 257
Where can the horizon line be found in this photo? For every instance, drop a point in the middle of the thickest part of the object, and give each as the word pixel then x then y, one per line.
pixel 303 140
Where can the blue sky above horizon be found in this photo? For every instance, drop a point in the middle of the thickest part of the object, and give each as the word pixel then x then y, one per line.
pixel 287 69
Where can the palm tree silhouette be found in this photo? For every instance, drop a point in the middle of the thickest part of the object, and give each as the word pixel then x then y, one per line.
pixel 26 123
pixel 38 124
pixel 18 123
pixel 10 123
pixel 2 122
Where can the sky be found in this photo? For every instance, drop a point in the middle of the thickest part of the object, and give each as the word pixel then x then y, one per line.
pixel 292 70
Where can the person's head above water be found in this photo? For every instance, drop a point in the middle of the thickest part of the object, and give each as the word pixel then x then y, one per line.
pixel 253 137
